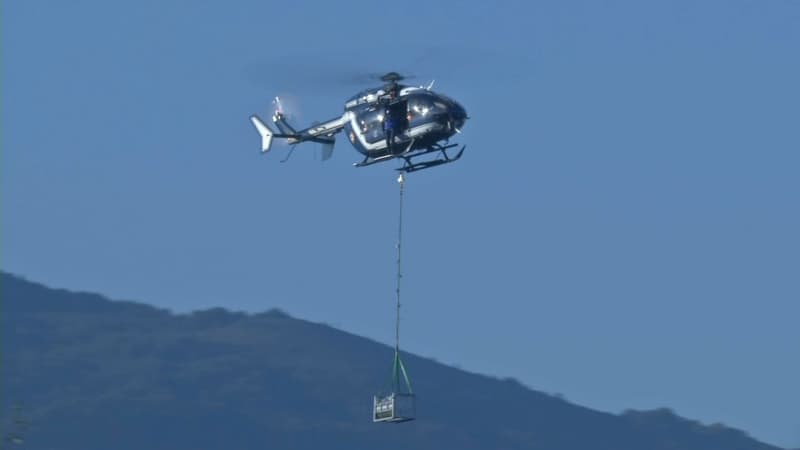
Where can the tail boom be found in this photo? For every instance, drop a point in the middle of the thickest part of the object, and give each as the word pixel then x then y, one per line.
pixel 323 133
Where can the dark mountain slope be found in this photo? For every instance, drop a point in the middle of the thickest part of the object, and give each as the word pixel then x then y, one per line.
pixel 96 374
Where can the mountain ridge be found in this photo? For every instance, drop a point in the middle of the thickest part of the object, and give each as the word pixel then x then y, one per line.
pixel 220 379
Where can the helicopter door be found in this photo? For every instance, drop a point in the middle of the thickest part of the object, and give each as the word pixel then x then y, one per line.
pixel 371 123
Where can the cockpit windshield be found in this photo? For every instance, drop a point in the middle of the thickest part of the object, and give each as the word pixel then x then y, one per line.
pixel 423 107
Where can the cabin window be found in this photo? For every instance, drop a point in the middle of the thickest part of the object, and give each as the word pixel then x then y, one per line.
pixel 371 124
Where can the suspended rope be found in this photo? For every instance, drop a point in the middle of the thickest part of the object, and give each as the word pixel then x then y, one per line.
pixel 398 369
pixel 400 180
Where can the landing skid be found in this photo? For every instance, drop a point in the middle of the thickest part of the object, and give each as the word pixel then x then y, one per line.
pixel 409 165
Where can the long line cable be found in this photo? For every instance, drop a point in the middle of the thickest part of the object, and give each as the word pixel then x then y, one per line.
pixel 400 180
pixel 398 369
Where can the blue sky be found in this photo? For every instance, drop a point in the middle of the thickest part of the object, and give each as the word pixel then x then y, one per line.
pixel 623 228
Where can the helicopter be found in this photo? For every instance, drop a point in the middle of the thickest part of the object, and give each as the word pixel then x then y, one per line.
pixel 394 121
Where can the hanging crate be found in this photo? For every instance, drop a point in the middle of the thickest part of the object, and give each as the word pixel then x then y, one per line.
pixel 400 405
pixel 394 408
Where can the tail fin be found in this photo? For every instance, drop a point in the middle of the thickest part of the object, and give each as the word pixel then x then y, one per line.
pixel 327 149
pixel 264 131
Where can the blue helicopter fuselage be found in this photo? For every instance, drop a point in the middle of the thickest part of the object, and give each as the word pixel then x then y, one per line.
pixel 430 118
